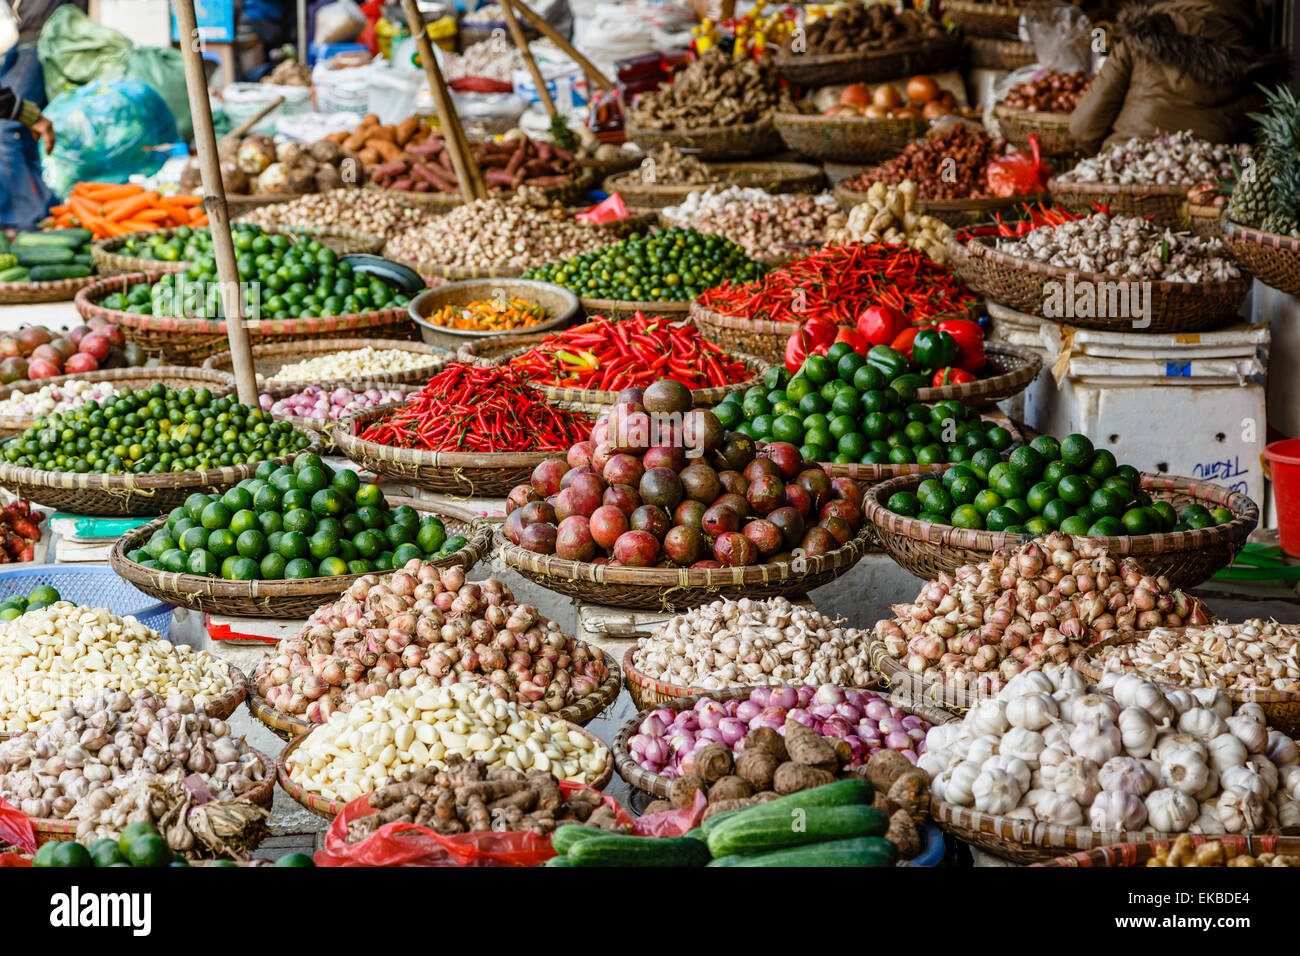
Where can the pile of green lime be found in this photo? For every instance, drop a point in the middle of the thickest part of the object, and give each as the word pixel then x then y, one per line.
pixel 38 597
pixel 151 431
pixel 139 845
pixel 842 410
pixel 1046 486
pixel 183 244
pixel 292 522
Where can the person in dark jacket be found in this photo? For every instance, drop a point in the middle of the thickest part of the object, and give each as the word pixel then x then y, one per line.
pixel 18 110
pixel 1173 65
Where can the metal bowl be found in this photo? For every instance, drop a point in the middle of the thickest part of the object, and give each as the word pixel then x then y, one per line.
pixel 561 304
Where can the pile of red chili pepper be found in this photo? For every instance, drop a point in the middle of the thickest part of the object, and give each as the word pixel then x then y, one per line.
pixel 838 282
pixel 611 356
pixel 1026 219
pixel 483 408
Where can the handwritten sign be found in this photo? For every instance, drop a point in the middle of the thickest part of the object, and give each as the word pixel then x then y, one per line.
pixel 1222 472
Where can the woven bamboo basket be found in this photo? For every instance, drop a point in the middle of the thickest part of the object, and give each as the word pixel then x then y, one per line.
pixel 51 830
pixel 600 168
pixel 1051 129
pixel 567 193
pixel 993 54
pixel 1137 854
pixel 110 262
pixel 675 589
pixel 127 494
pixel 30 293
pixel 657 784
pixel 582 712
pixel 742 141
pixel 322 426
pixel 280 599
pixel 559 304
pixel 1033 841
pixel 495 352
pixel 1207 222
pixel 329 809
pixel 847 139
pixel 1163 205
pixel 185 341
pixel 773 177
pixel 868 66
pixel 620 309
pixel 1186 557
pixel 219 383
pixel 1173 306
pixel 1281 707
pixel 243 202
pixel 467 474
pixel 1272 259
pixel 981 19
pixel 269 359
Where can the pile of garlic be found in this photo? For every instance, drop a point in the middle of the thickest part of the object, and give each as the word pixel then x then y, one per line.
pixel 1144 759
pixel 1253 654
pixel 382 738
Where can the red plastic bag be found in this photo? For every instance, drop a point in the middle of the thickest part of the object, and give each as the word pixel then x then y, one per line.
pixel 672 823
pixel 609 209
pixel 16 830
pixel 479 84
pixel 405 844
pixel 1019 173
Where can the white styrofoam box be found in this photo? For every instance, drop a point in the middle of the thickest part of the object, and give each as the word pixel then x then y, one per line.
pixel 146 22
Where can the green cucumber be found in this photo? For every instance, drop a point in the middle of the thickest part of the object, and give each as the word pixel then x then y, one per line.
pixel 558 861
pixel 696 834
pixel 54 273
pixel 4 243
pixel 857 851
pixel 639 851
pixel 67 238
pixel 785 827
pixel 841 793
pixel 712 823
pixel 14 274
pixel 43 255
pixel 83 259
pixel 734 860
pixel 564 837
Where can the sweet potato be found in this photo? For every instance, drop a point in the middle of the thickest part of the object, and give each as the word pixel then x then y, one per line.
pixel 384 133
pixel 357 139
pixel 405 130
pixel 368 157
pixel 386 150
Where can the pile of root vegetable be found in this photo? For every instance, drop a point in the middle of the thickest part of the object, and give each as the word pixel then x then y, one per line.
pixel 711 92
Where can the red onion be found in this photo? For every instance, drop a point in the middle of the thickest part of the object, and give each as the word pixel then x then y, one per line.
pixel 804 695
pixel 784 697
pixel 829 694
pixel 801 716
pixel 849 712
pixel 710 713
pixel 761 696
pixel 747 710
pixel 656 750
pixel 652 726
pixel 710 735
pixel 732 730
pixel 898 740
pixel 822 711
pixel 835 727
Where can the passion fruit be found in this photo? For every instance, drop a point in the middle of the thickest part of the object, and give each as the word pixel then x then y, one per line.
pixel 719 520
pixel 652 519
pixel 790 523
pixel 623 469
pixel 662 487
pixel 700 483
pixel 766 494
pixel 664 456
pixel 573 540
pixel 539 538
pixel 736 451
pixel 818 541
pixel 733 550
pixel 667 396
pixel 702 432
pixel 535 512
pixel 636 549
pixel 733 482
pixel 690 514
pixel 766 536
pixel 786 457
pixel 547 476
pixel 684 546
pixel 606 523
pixel 623 497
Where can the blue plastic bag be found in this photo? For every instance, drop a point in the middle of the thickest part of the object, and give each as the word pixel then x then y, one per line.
pixel 105 131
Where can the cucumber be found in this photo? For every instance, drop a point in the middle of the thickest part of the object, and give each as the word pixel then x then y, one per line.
pixel 734 860
pixel 53 273
pixel 564 838
pixel 840 793
pixel 67 238
pixel 713 822
pixel 696 834
pixel 785 827
pixel 617 850
pixel 857 851
pixel 4 242
pixel 83 259
pixel 43 255
pixel 14 274
pixel 558 861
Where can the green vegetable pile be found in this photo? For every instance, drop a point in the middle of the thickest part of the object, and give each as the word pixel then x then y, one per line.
pixel 183 244
pixel 672 265
pixel 46 256
pixel 17 605
pixel 283 278
pixel 289 523
pixel 150 431
pixel 844 412
pixel 1046 486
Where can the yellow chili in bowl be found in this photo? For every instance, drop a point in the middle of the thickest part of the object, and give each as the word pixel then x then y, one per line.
pixel 500 314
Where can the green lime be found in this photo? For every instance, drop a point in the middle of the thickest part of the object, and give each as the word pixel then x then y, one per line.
pixel 251 544
pixel 193 538
pixel 1056 511
pixel 360 566
pixel 352 525
pixel 301 520
pixel 999 437
pixel 323 545
pixel 246 520
pixel 1137 521
pixel 105 852
pixel 295 859
pixel 1000 518
pixel 1011 485
pixel 273 541
pixel 384 562
pixel 901 455
pixel 237 499
pixel 45 854
pixel 848 366
pixel 964 490
pixel 868 378
pixel 203 562
pixel 221 543
pixel 1027 462
pixel 267 499
pixel 904 503
pixel 331 526
pixel 347 550
pixel 272 567
pixel 299 568
pixel 9 613
pixel 1107 527
pixel 307 460
pixel 294 498
pixel 283 480
pixel 1055 471
pixel 1221 515
pixel 761 427
pixel 195 504
pixel 160 542
pixel 729 415
pixel 270 522
pixel 788 428
pixel 1075 525
pixel 265 470
pixel 244 568
pixel 1073 489
pixel 927 488
pixel 311 479
pixel 149 850
pixel 1038 496
pixel 1020 508
pixel 71 854
pixel 131 833
pixel 1046 446
pixel 332 567
pixel 983 460
pixel 1103 464
pixel 1107 503
pixel 398 534
pixel 369 543
pixel 818 369
pixel 1038 525
pixel 1076 450
pixel 813 404
pixel 967 516
pixel 1168 516
pixel 986 501
pixel 1129 474
pixel 328 502
pixel 955 472
pixel 215 515
pixel 404 553
pixel 174 560
pixel 939 501
pixel 430 537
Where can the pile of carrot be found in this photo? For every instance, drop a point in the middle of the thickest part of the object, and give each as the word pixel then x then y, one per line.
pixel 114 209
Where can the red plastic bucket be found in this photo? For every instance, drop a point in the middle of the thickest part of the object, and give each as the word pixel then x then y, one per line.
pixel 1282 465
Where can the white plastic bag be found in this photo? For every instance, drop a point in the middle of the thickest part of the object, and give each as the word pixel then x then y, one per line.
pixel 339 22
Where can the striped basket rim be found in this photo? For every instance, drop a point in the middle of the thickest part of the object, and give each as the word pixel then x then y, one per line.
pixel 1042 118
pixel 728 174
pixel 106 256
pixel 56 290
pixel 1137 854
pixel 1057 186
pixel 1259 237
pixel 290 351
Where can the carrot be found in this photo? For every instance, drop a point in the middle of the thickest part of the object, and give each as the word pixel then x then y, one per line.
pixel 84 208
pixel 138 225
pixel 58 210
pixel 200 220
pixel 152 215
pixel 105 192
pixel 124 209
pixel 183 199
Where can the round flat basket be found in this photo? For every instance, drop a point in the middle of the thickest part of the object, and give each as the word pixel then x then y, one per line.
pixel 657 785
pixel 497 351
pixel 127 494
pixel 326 427
pixel 868 66
pixel 30 293
pixel 560 304
pixel 269 359
pixel 1208 223
pixel 219 383
pixel 463 473
pixel 675 589
pixel 110 262
pixel 1051 129
pixel 1031 287
pixel 1137 854
pixel 847 139
pixel 1187 558
pixel 51 830
pixel 620 309
pixel 773 177
pixel 988 53
pixel 742 141
pixel 1163 205
pixel 242 202
pixel 600 168
pixel 978 19
pixel 280 599
pixel 185 341
pixel 329 809
pixel 1272 259
pixel 567 192
pixel 1281 707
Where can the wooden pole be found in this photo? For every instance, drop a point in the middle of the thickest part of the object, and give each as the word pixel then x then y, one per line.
pixel 462 160
pixel 303 45
pixel 253 120
pixel 214 202
pixel 521 41
pixel 548 31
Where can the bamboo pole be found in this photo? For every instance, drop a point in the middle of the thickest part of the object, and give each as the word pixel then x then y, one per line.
pixel 214 202
pixel 462 160
pixel 253 120
pixel 521 41
pixel 548 31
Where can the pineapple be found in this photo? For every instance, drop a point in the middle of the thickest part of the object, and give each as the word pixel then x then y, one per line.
pixel 1268 192
pixel 1252 197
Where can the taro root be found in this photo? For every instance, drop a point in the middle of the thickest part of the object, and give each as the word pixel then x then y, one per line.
pixel 713 762
pixel 730 787
pixel 681 792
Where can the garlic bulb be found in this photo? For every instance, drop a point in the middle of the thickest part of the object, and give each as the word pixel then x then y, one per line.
pixel 1246 778
pixel 1249 731
pixel 1095 737
pixel 995 791
pixel 957 782
pixel 1117 810
pixel 1076 777
pixel 1081 710
pixel 933 762
pixel 1026 683
pixel 1013 767
pixel 1213 698
pixel 1201 722
pixel 1031 712
pixel 1208 822
pixel 1288 813
pixel 1266 769
pixel 1137 731
pixel 1059 808
pixel 1181 701
pixel 1288 782
pixel 1240 810
pixel 988 717
pixel 1226 750
pixel 1025 744
pixel 1127 775
pixel 1184 769
pixel 1282 749
pixel 1066 680
pixel 983 747
pixel 1253 710
pixel 1170 811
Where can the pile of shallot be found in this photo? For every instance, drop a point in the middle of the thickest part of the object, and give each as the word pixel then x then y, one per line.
pixel 324 404
pixel 1043 603
pixel 667 739
pixel 426 627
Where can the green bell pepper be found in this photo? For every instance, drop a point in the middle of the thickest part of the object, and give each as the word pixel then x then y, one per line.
pixel 933 349
pixel 890 361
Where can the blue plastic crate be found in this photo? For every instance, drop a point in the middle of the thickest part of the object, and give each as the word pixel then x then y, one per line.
pixel 92 587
